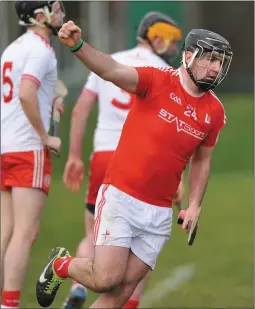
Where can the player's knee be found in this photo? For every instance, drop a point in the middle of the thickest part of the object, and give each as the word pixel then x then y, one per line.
pixel 134 286
pixel 35 233
pixel 5 240
pixel 106 282
pixel 6 233
pixel 129 284
pixel 128 289
pixel 26 234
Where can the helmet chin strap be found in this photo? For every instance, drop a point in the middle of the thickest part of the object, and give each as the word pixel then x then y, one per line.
pixel 47 23
pixel 54 30
pixel 187 67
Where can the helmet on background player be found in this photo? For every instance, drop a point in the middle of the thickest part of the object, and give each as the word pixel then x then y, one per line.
pixel 201 42
pixel 158 25
pixel 27 10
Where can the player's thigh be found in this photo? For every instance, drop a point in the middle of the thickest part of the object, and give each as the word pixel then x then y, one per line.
pixel 28 204
pixel 98 166
pixel 6 216
pixel 6 201
pixel 134 273
pixel 109 265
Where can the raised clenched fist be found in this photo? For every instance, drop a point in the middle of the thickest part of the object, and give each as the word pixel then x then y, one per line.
pixel 69 34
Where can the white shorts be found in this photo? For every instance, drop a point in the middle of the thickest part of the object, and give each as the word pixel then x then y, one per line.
pixel 122 220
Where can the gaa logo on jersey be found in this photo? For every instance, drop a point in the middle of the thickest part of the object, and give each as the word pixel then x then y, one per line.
pixel 175 98
pixel 47 180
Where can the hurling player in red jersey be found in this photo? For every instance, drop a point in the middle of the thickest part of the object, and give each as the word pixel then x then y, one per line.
pixel 176 118
pixel 113 107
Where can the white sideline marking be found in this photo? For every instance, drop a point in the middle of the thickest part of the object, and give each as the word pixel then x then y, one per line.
pixel 179 276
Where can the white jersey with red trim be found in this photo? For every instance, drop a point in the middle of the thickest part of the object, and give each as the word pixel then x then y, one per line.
pixel 30 56
pixel 115 103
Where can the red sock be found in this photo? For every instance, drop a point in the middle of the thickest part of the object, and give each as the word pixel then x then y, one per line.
pixel 11 298
pixel 131 304
pixel 75 282
pixel 61 266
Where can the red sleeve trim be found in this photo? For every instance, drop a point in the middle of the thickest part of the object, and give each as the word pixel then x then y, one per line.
pixel 31 77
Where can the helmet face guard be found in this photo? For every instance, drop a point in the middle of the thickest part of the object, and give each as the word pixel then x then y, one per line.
pixel 56 16
pixel 54 12
pixel 158 25
pixel 213 53
pixel 170 54
pixel 211 48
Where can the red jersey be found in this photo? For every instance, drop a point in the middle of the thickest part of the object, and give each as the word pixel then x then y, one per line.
pixel 164 127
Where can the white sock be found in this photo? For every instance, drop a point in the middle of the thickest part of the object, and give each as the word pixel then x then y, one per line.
pixel 76 284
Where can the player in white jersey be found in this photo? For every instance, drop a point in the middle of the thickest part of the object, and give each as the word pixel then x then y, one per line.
pixel 156 47
pixel 29 76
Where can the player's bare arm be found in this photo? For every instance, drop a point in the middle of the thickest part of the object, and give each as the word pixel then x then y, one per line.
pixel 60 93
pixel 74 169
pixel 123 76
pixel 179 196
pixel 29 102
pixel 79 118
pixel 198 178
pixel 199 175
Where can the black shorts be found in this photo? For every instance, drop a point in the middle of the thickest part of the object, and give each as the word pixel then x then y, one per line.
pixel 91 208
